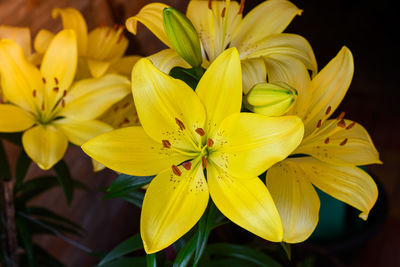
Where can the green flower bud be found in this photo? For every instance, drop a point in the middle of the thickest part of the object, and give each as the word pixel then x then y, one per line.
pixel 271 99
pixel 183 36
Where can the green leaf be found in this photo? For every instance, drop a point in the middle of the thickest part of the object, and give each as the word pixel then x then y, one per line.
pixel 126 262
pixel 190 76
pixel 5 172
pixel 23 163
pixel 288 250
pixel 64 178
pixel 151 260
pixel 26 238
pixel 232 263
pixel 243 253
pixel 125 184
pixel 129 245
pixel 186 253
pixel 135 197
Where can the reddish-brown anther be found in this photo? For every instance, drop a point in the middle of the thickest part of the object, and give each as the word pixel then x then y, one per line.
pixel 343 142
pixel 210 142
pixel 180 124
pixel 351 125
pixel 200 131
pixel 342 124
pixel 326 141
pixel 166 143
pixel 204 162
pixel 176 170
pixel 187 165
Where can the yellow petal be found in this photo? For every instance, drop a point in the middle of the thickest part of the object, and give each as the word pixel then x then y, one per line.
pixel 253 72
pixel 98 68
pixel 150 16
pixel 246 202
pixel 90 98
pixel 20 35
pixel 124 65
pixel 45 145
pixel 215 31
pixel 350 145
pixel 349 184
pixel 18 77
pixel 166 59
pixel 269 17
pixel 97 166
pixel 121 114
pixel 78 132
pixel 247 144
pixel 59 64
pixel 221 82
pixel 14 119
pixel 172 206
pixel 129 150
pixel 42 41
pixel 295 198
pixel 283 68
pixel 73 19
pixel 329 87
pixel 163 102
pixel 286 44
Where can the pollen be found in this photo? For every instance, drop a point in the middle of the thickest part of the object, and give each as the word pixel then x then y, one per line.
pixel 56 80
pixel 34 93
pixel 56 89
pixel 200 131
pixel 351 125
pixel 180 124
pixel 328 110
pixel 326 141
pixel 209 4
pixel 204 162
pixel 342 124
pixel 223 12
pixel 187 165
pixel 166 143
pixel 176 170
pixel 319 124
pixel 64 93
pixel 210 142
pixel 343 142
pixel 341 116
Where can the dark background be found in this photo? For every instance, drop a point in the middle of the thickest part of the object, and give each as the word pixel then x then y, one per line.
pixel 369 28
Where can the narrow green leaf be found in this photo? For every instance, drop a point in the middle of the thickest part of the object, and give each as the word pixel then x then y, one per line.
pixel 232 263
pixel 288 250
pixel 126 262
pixel 64 178
pixel 5 172
pixel 21 169
pixel 243 253
pixel 151 260
pixel 129 245
pixel 26 239
pixel 186 253
pixel 135 197
pixel 124 184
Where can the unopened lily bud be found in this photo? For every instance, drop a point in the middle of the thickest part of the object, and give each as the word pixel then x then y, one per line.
pixel 271 99
pixel 183 36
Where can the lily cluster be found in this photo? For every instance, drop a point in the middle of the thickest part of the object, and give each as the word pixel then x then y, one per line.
pixel 259 106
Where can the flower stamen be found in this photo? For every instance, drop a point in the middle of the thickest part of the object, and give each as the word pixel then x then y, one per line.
pixel 166 143
pixel 326 141
pixel 328 110
pixel 180 124
pixel 200 131
pixel 241 7
pixel 351 125
pixel 204 162
pixel 342 124
pixel 343 142
pixel 56 80
pixel 210 142
pixel 187 165
pixel 341 116
pixel 176 170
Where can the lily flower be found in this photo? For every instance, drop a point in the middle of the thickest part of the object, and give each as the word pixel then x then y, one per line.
pixel 44 103
pixel 263 48
pixel 184 133
pixel 333 148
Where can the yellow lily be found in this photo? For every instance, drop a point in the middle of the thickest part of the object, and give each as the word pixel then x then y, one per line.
pixel 334 149
pixel 100 51
pixel 184 132
pixel 44 103
pixel 263 48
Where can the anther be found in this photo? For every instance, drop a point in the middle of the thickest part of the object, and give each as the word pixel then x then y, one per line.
pixel 63 103
pixel 116 26
pixel 328 110
pixel 34 93
pixel 210 142
pixel 204 162
pixel 223 12
pixel 42 107
pixel 126 120
pixel 200 131
pixel 55 89
pixel 326 141
pixel 166 143
pixel 187 165
pixel 56 80
pixel 43 80
pixel 125 105
pixel 121 36
pixel 241 6
pixel 351 125
pixel 176 170
pixel 209 4
pixel 342 124
pixel 341 116
pixel 343 142
pixel 319 124
pixel 64 93
pixel 180 124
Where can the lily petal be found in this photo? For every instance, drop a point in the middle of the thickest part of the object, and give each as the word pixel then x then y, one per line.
pixel 349 184
pixel 59 64
pixel 168 109
pixel 247 144
pixel 172 206
pixel 73 19
pixel 19 78
pixel 43 40
pixel 14 119
pixel 246 202
pixel 253 72
pixel 221 81
pixel 269 17
pixel 90 98
pixel 283 68
pixel 45 145
pixel 296 199
pixel 130 150
pixel 166 59
pixel 124 65
pixel 20 35
pixel 97 67
pixel 150 16
pixel 350 145
pixel 328 88
pixel 78 132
